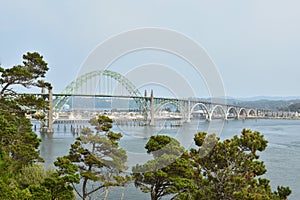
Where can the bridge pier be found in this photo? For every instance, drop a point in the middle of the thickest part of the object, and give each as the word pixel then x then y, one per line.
pixel 188 117
pixel 152 121
pixel 208 117
pixel 49 127
pixel 144 108
pixel 50 113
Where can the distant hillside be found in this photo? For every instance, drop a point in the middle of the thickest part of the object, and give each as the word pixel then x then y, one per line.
pixel 268 104
pixel 272 103
pixel 270 98
pixel 295 107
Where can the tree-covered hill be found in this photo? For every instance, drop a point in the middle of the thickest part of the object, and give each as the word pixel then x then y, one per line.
pixel 295 107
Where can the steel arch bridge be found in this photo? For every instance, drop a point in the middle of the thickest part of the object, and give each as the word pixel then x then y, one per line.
pixel 148 105
pixel 73 87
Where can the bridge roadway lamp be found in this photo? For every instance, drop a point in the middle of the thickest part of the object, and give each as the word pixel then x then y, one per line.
pixel 106 54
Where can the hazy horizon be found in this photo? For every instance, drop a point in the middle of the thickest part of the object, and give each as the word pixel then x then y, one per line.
pixel 253 44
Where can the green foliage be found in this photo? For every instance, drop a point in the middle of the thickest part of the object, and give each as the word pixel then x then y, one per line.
pixel 156 143
pixel 59 187
pixel 161 144
pixel 228 169
pixel 9 192
pixel 104 124
pixel 231 169
pixel 38 192
pixel 34 183
pixel 283 192
pixel 168 173
pixel 28 74
pixel 20 177
pixel 17 139
pixel 33 174
pixel 96 159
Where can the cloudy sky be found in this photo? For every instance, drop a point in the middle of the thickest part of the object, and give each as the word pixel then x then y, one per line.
pixel 254 44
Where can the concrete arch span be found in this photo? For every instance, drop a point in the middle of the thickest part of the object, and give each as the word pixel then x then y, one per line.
pixel 243 112
pixel 213 110
pixel 200 104
pixel 251 112
pixel 203 106
pixel 231 108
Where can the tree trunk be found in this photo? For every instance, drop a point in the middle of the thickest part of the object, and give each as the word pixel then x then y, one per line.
pixel 106 193
pixel 153 194
pixel 84 193
pixel 123 193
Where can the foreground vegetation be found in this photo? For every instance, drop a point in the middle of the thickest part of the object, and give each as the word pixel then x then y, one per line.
pixel 216 169
pixel 21 174
pixel 213 169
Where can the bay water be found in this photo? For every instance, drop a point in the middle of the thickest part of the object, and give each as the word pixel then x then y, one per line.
pixel 282 156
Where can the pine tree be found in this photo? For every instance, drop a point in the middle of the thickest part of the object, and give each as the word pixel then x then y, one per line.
pixel 99 160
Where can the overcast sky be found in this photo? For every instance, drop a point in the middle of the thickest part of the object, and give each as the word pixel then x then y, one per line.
pixel 255 44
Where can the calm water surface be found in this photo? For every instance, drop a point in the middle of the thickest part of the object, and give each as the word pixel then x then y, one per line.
pixel 282 156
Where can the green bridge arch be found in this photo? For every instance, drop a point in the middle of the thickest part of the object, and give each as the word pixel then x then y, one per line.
pixel 61 101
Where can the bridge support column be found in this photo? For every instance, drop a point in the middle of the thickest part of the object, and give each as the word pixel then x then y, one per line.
pixel 152 122
pixel 49 127
pixel 144 108
pixel 50 112
pixel 188 117
pixel 208 117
